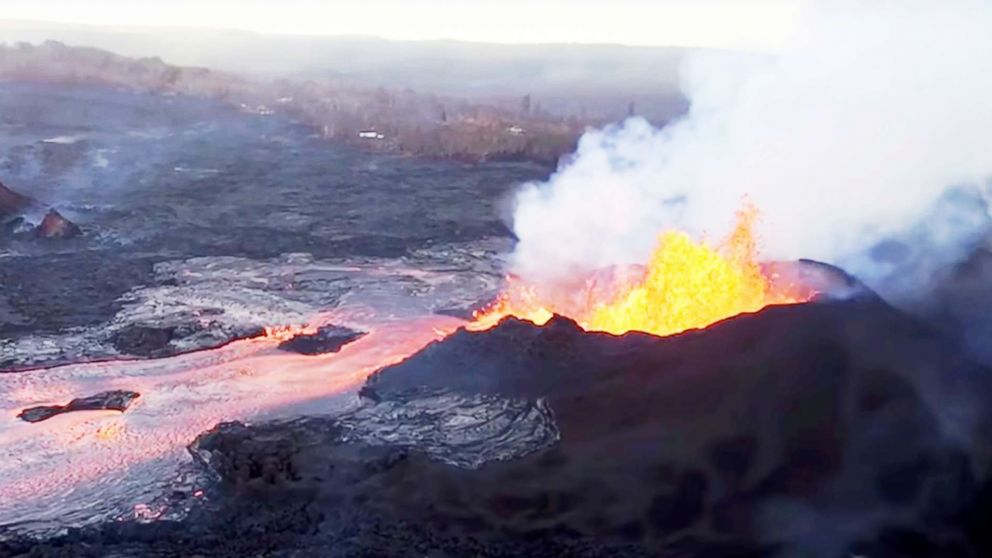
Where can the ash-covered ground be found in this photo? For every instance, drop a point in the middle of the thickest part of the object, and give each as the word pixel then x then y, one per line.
pixel 373 426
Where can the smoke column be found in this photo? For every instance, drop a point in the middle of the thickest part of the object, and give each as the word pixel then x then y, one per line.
pixel 856 132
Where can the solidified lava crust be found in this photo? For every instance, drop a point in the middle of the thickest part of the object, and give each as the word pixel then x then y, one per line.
pixel 118 400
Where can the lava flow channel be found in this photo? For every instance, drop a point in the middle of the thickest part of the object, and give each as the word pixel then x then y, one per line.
pixel 87 466
pixel 685 285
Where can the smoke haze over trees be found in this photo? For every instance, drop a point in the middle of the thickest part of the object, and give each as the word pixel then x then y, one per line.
pixel 421 122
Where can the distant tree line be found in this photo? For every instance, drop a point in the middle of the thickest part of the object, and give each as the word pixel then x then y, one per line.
pixel 404 121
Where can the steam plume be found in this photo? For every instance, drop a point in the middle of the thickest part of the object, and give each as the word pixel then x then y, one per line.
pixel 857 132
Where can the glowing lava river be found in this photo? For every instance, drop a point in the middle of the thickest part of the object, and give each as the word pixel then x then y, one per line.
pixel 88 458
pixel 90 466
pixel 84 467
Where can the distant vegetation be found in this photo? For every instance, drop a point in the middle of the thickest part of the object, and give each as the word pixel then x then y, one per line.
pixel 402 121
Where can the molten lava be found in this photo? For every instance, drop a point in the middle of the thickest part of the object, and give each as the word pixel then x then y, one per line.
pixel 285 333
pixel 685 285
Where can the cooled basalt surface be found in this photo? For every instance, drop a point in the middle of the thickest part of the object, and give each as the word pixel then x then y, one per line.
pixel 118 400
pixel 327 339
pixel 821 429
pixel 12 203
pixel 170 190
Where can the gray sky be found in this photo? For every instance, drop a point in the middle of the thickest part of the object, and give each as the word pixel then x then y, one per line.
pixel 737 24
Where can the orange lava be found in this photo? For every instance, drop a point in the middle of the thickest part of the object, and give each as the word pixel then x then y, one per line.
pixel 285 333
pixel 110 432
pixel 685 285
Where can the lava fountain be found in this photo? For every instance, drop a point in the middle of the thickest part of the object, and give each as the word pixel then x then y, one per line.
pixel 685 285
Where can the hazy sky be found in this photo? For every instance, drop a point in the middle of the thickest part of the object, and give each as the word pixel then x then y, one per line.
pixel 750 24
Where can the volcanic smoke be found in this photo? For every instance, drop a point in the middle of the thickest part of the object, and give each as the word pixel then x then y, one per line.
pixel 856 134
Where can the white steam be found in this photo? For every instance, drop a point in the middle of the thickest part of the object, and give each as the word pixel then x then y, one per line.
pixel 866 120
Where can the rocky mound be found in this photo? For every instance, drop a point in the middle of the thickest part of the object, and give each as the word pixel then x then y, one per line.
pixel 11 202
pixel 12 207
pixel 54 225
pixel 819 427
pixel 825 429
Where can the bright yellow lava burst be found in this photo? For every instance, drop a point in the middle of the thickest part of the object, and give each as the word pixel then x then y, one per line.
pixel 685 285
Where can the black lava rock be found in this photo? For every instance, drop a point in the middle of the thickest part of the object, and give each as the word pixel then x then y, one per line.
pixel 12 203
pixel 159 342
pixel 143 340
pixel 54 226
pixel 118 400
pixel 327 339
